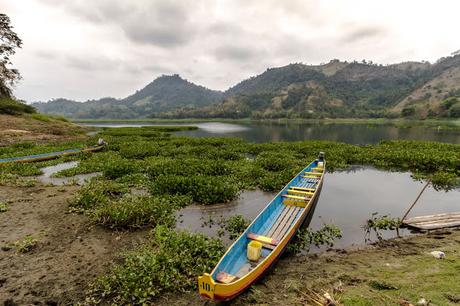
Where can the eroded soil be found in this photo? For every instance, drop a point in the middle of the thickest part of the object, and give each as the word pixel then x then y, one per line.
pixel 69 254
pixel 14 129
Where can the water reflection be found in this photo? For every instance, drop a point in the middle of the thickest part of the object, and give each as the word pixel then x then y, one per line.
pixel 348 199
pixel 271 131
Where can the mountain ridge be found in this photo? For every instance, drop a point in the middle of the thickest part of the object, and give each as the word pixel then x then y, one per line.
pixel 296 90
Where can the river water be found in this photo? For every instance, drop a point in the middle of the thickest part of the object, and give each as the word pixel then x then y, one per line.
pixel 347 200
pixel 270 131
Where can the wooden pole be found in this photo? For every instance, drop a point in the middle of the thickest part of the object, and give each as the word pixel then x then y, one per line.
pixel 413 204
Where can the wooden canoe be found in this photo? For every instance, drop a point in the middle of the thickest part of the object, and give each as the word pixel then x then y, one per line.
pixel 47 156
pixel 274 227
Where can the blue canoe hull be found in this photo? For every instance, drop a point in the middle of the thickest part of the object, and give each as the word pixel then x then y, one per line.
pixel 275 227
pixel 48 156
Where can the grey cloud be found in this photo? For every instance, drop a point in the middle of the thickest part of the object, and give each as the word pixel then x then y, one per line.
pixel 158 23
pixel 236 53
pixel 91 64
pixel 46 54
pixel 363 33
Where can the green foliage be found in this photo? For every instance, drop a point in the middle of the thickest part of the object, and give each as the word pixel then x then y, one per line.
pixel 307 237
pixel 97 192
pixel 3 207
pixel 378 223
pixel 235 225
pixel 381 285
pixel 454 111
pixel 27 244
pixel 408 111
pixel 137 211
pixel 7 179
pixel 11 107
pixel 170 264
pixel 203 189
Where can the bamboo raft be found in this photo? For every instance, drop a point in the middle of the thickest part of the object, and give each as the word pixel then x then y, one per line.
pixel 432 222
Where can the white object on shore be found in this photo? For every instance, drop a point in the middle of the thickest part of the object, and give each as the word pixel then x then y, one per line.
pixel 422 302
pixel 438 254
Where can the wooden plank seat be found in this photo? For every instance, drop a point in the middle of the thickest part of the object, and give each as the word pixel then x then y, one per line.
pixel 267 242
pixel 311 178
pixel 225 278
pixel 300 192
pixel 303 188
pixel 313 173
pixel 296 197
pixel 320 169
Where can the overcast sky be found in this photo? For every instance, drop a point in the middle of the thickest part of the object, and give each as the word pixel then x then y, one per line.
pixel 85 49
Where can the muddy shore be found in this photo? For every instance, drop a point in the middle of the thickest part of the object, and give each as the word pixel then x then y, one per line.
pixel 70 251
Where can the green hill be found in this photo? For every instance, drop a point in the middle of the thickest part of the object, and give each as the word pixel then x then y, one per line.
pixel 163 94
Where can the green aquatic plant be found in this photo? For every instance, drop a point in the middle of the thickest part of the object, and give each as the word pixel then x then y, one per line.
pixel 203 189
pixel 235 225
pixel 138 211
pixel 97 192
pixel 376 224
pixel 169 263
pixel 307 237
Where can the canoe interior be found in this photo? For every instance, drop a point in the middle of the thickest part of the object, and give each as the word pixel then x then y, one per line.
pixel 274 222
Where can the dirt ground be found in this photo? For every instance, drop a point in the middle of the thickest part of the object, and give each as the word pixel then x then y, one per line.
pixel 69 254
pixel 14 129
pixel 394 272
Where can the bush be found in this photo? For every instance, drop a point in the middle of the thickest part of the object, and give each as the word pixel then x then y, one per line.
pixel 170 264
pixel 134 211
pixel 97 192
pixel 236 225
pixel 408 111
pixel 203 189
pixel 12 107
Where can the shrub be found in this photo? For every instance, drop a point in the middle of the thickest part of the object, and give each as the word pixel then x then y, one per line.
pixel 170 264
pixel 27 244
pixel 97 192
pixel 135 211
pixel 203 189
pixel 307 237
pixel 3 207
pixel 236 225
pixel 12 107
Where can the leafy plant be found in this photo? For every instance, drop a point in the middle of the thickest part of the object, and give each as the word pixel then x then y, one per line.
pixel 27 244
pixel 305 238
pixel 170 263
pixel 235 225
pixel 136 211
pixel 378 223
pixel 3 207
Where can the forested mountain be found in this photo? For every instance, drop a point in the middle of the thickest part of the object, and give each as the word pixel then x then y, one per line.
pixel 335 89
pixel 342 89
pixel 163 94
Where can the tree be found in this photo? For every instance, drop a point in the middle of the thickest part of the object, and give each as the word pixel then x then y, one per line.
pixel 9 42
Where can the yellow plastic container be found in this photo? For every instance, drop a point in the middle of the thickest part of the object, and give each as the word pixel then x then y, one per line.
pixel 254 250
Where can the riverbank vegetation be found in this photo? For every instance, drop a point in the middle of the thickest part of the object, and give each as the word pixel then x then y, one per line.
pixel 148 173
